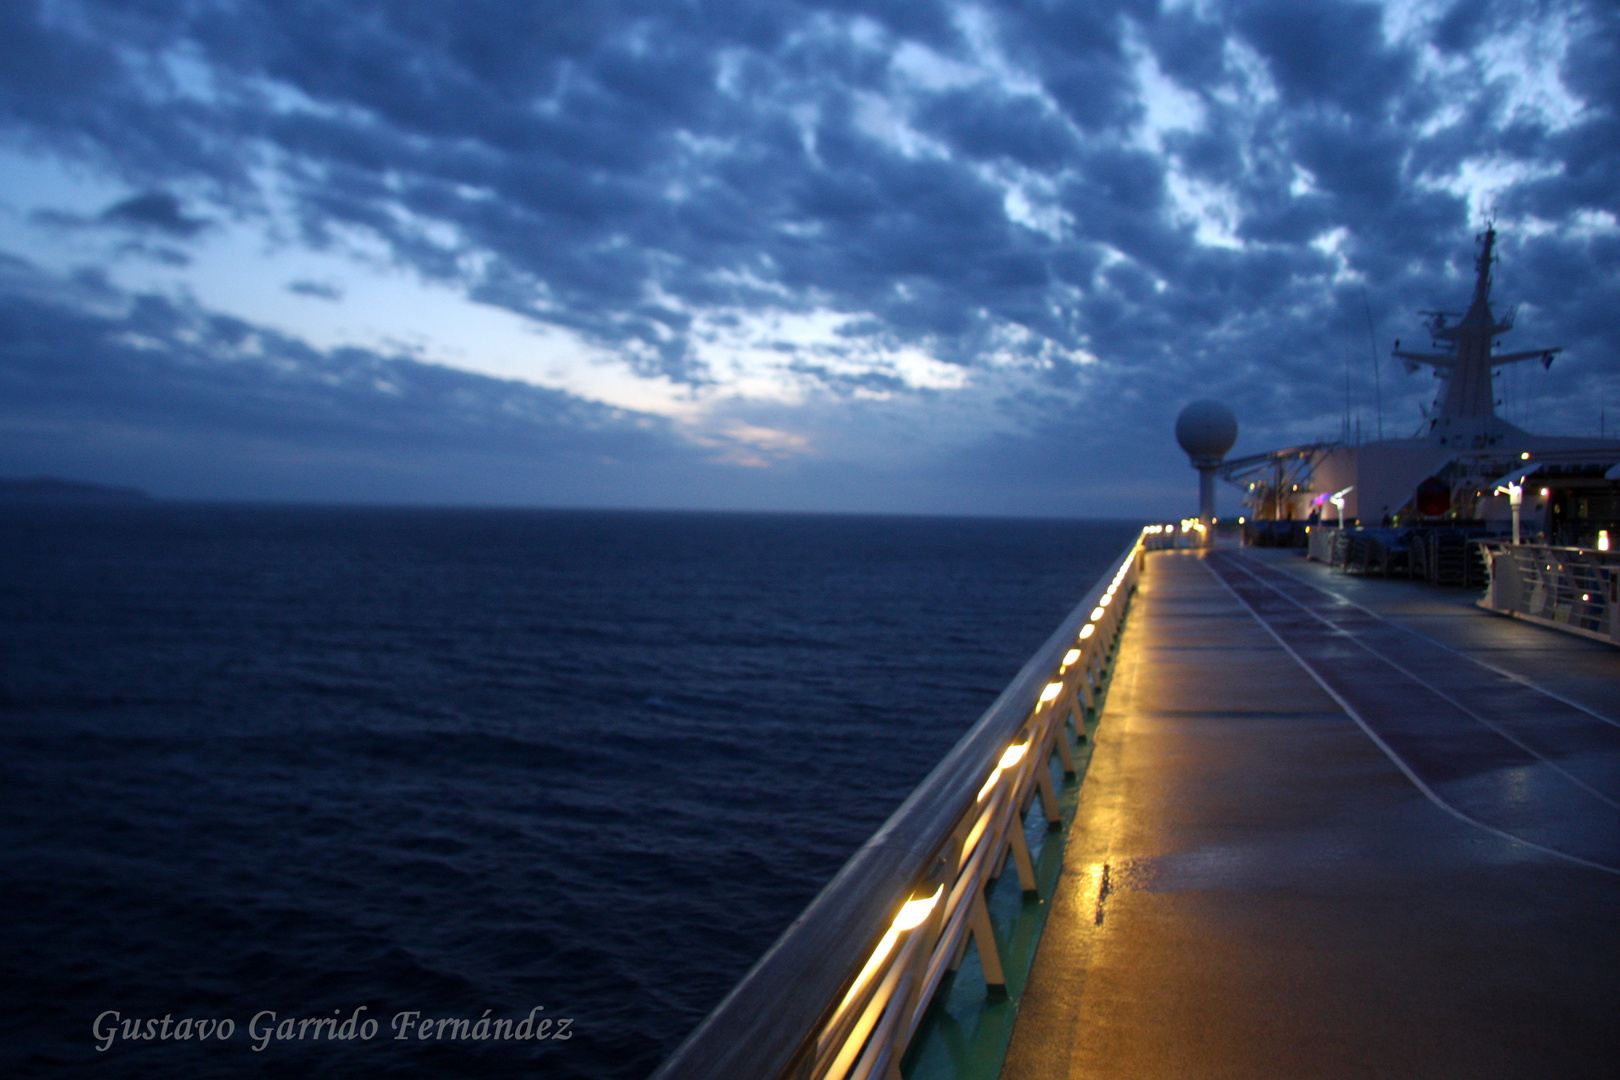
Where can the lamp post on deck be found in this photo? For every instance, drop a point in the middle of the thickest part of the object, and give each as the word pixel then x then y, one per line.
pixel 1512 485
pixel 1514 490
pixel 1337 499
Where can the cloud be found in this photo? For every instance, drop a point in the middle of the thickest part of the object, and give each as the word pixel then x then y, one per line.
pixel 157 210
pixel 1006 215
pixel 319 290
pixel 79 359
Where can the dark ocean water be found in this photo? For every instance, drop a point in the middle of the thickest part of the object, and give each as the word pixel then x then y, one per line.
pixel 462 763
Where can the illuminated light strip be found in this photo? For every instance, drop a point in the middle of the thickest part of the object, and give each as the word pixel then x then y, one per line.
pixel 913 912
pixel 1012 756
pixel 870 970
pixel 911 915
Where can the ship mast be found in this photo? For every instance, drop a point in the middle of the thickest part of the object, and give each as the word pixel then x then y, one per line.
pixel 1467 408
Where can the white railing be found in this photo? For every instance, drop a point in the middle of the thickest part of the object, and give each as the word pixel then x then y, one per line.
pixel 1572 589
pixel 842 992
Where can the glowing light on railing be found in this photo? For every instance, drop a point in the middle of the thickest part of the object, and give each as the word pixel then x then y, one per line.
pixel 1108 598
pixel 1112 589
pixel 1096 613
pixel 1013 756
pixel 1525 456
pixel 1053 689
pixel 1073 654
pixel 913 912
pixel 1087 630
pixel 1585 598
pixel 1603 539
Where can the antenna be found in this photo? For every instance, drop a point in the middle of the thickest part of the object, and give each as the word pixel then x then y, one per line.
pixel 1378 382
pixel 1346 424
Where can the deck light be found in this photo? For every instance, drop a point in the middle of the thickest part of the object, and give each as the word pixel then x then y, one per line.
pixel 1107 598
pixel 1603 539
pixel 1525 456
pixel 1053 689
pixel 913 912
pixel 1071 656
pixel 1088 629
pixel 1013 756
pixel 1096 613
pixel 1514 490
pixel 1337 499
pixel 1585 597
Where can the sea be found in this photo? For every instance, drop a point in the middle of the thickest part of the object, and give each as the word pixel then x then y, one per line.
pixel 270 773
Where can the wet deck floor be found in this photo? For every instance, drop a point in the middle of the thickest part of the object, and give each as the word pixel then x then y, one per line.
pixel 1278 871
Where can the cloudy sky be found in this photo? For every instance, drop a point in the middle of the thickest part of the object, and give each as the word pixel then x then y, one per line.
pixel 898 255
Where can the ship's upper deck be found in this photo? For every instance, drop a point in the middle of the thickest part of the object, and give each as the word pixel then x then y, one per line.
pixel 1336 827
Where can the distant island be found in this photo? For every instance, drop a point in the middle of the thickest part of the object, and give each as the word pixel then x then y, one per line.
pixel 56 492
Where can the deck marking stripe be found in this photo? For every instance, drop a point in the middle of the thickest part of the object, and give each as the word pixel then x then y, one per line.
pixel 1435 690
pixel 1514 676
pixel 1417 781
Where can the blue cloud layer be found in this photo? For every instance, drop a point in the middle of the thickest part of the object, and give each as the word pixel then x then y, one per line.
pixel 627 171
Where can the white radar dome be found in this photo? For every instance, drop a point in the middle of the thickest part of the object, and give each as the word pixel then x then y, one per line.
pixel 1206 429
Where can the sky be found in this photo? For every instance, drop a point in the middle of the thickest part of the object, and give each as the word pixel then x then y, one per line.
pixel 891 256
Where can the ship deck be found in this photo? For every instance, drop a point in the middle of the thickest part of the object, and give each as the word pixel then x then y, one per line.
pixel 1336 827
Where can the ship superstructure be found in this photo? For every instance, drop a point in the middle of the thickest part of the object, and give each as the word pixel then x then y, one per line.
pixel 1449 470
pixel 1465 412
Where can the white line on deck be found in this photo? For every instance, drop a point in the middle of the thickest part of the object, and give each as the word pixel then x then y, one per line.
pixel 1389 751
pixel 1435 690
pixel 1514 676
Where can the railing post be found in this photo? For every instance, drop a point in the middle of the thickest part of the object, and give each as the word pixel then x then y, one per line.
pixel 1065 752
pixel 984 939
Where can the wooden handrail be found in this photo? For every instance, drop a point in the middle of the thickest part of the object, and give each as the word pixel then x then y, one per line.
pixel 775 1023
